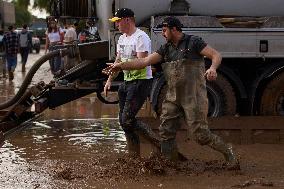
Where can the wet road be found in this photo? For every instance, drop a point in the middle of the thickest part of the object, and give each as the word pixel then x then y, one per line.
pixel 80 145
pixel 74 131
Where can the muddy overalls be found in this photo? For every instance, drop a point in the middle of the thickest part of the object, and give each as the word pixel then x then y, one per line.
pixel 186 98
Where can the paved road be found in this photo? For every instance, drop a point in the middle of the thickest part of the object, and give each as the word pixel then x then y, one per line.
pixel 9 88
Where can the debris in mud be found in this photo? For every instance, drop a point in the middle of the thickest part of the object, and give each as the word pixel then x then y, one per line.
pixel 254 182
pixel 66 173
pixel 122 166
pixel 134 168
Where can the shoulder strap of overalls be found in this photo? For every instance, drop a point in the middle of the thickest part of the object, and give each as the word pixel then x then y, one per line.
pixel 187 40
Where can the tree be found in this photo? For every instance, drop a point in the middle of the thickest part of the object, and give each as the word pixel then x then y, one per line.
pixel 23 16
pixel 42 4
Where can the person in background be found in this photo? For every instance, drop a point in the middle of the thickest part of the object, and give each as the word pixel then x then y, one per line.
pixel 70 35
pixel 25 42
pixel 11 43
pixel 69 38
pixel 89 33
pixel 54 38
pixel 2 55
pixel 93 30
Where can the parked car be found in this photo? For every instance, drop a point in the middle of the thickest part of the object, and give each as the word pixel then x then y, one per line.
pixel 35 40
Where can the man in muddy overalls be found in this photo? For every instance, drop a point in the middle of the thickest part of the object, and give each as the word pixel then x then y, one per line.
pixel 186 98
pixel 132 44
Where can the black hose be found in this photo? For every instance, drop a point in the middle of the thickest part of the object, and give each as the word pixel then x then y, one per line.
pixel 29 76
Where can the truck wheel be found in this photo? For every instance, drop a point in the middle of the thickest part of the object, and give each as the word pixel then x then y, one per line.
pixel 272 100
pixel 221 98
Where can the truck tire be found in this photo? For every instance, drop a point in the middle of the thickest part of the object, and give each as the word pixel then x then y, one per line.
pixel 221 98
pixel 272 100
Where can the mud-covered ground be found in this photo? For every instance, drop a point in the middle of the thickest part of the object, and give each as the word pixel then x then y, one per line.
pixel 69 148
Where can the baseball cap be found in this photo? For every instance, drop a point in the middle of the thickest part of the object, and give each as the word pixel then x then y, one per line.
pixel 122 13
pixel 170 22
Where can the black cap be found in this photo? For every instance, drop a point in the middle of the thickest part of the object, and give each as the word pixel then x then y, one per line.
pixel 122 13
pixel 171 22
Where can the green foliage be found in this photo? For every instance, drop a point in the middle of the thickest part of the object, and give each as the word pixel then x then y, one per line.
pixel 42 4
pixel 23 16
pixel 22 3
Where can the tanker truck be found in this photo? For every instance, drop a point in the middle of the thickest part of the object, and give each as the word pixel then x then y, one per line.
pixel 246 98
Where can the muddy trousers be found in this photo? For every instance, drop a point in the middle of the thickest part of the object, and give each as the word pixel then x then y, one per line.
pixel 171 121
pixel 3 65
pixel 186 99
pixel 55 63
pixel 11 62
pixel 132 95
pixel 24 51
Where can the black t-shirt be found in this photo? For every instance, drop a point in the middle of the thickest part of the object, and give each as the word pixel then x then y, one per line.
pixel 194 44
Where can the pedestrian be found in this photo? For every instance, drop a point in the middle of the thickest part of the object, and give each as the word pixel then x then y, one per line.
pixel 93 30
pixel 25 42
pixel 2 55
pixel 132 44
pixel 11 43
pixel 186 98
pixel 54 41
pixel 70 35
pixel 69 38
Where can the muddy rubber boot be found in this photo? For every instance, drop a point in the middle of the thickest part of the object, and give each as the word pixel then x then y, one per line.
pixel 11 75
pixel 145 131
pixel 232 162
pixel 4 73
pixel 23 67
pixel 169 149
pixel 133 146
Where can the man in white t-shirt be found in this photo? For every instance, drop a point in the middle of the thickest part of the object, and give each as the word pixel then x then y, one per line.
pixel 133 43
pixel 70 34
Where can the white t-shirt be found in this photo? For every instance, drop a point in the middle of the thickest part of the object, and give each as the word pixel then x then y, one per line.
pixel 54 36
pixel 129 46
pixel 70 34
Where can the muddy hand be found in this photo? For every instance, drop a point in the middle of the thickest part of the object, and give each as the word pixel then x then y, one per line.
pixel 210 74
pixel 107 70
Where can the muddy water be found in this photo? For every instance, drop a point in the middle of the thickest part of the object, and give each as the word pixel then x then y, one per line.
pixel 45 142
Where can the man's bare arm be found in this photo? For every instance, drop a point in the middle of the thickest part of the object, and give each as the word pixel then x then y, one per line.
pixel 216 58
pixel 212 54
pixel 140 63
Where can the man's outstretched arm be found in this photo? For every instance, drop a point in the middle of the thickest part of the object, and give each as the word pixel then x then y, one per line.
pixel 136 64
